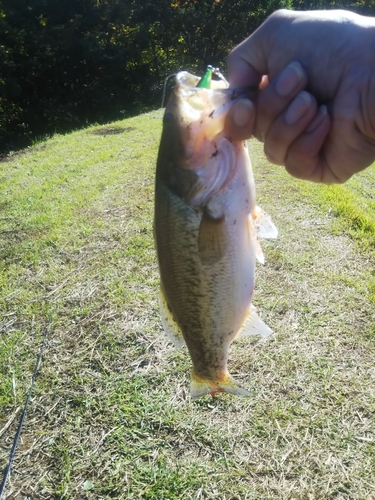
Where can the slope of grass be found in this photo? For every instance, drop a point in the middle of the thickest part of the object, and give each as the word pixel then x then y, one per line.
pixel 111 416
pixel 354 204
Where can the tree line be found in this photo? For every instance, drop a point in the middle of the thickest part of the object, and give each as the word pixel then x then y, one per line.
pixel 68 63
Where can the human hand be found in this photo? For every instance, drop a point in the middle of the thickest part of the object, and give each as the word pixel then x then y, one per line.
pixel 328 53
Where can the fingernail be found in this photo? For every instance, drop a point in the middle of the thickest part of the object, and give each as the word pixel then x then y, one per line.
pixel 298 108
pixel 322 113
pixel 243 112
pixel 289 79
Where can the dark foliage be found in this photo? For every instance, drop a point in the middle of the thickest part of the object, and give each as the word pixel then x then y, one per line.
pixel 68 63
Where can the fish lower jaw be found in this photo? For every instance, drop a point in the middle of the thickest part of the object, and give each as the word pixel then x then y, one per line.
pixel 201 386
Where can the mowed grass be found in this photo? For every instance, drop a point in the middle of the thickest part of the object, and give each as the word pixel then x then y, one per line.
pixel 111 415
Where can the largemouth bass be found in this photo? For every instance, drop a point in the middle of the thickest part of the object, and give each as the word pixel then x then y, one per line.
pixel 206 225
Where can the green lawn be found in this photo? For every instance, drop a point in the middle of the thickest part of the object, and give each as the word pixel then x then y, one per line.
pixel 111 415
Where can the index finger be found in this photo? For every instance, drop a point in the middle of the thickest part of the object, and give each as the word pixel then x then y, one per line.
pixel 247 62
pixel 264 51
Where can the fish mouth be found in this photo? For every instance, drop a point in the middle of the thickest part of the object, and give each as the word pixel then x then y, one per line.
pixel 196 117
pixel 187 82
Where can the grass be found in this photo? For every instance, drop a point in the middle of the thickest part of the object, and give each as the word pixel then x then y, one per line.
pixel 110 415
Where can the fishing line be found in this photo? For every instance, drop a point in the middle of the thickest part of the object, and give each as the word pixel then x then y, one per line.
pixel 18 433
pixel 164 89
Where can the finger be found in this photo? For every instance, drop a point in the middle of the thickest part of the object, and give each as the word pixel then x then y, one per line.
pixel 276 96
pixel 251 59
pixel 288 127
pixel 264 82
pixel 306 157
pixel 241 73
pixel 240 120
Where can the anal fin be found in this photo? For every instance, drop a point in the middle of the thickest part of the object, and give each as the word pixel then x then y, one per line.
pixel 254 326
pixel 170 325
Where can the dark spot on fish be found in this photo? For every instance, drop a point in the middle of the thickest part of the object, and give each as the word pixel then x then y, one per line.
pixel 214 154
pixel 234 223
pixel 211 114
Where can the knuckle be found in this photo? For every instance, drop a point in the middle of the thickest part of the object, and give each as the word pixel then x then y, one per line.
pixel 259 132
pixel 298 152
pixel 293 168
pixel 298 163
pixel 276 18
pixel 280 14
pixel 271 155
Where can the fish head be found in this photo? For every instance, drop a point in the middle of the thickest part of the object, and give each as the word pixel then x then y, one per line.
pixel 196 159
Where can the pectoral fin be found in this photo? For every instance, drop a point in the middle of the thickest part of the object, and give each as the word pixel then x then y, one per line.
pixel 170 325
pixel 263 224
pixel 213 238
pixel 259 255
pixel 254 326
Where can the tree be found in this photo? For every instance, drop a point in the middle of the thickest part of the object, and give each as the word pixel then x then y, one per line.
pixel 68 63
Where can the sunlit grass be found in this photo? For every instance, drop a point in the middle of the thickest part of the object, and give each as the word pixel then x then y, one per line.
pixel 111 416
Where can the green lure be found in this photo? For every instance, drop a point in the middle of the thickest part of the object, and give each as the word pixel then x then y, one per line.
pixel 205 81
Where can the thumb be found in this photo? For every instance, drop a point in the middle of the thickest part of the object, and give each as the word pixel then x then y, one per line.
pixel 240 120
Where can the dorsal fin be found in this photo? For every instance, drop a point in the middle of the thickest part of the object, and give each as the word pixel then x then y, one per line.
pixel 170 325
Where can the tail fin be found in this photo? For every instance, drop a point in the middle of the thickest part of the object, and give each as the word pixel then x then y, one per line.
pixel 201 386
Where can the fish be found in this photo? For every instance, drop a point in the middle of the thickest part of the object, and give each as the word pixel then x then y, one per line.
pixel 206 228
